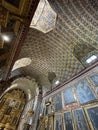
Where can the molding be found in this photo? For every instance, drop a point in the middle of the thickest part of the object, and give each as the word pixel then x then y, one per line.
pixel 71 79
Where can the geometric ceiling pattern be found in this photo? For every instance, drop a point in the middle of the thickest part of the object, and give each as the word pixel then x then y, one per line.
pixel 76 25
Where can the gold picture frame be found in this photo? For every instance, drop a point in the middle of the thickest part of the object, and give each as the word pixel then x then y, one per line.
pixel 15 23
pixel 22 9
pixel 90 116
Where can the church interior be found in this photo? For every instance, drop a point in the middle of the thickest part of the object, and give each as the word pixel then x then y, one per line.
pixel 48 64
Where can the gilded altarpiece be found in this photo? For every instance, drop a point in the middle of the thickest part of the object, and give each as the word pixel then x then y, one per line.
pixel 11 107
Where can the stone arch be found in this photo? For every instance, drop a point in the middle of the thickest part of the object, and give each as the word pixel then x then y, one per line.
pixel 28 85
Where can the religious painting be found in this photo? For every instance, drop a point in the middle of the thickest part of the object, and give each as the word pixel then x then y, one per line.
pixel 84 93
pixel 94 79
pixel 92 115
pixel 68 121
pixel 58 122
pixel 58 102
pixel 68 96
pixel 80 120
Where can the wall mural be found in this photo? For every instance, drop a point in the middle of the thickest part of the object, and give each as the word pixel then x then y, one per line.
pixel 58 122
pixel 92 114
pixel 84 92
pixel 79 119
pixel 94 78
pixel 68 121
pixel 69 96
pixel 58 102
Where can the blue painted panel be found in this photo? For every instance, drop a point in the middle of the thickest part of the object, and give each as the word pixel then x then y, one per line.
pixel 93 114
pixel 69 96
pixel 84 92
pixel 94 78
pixel 80 120
pixel 58 102
pixel 68 121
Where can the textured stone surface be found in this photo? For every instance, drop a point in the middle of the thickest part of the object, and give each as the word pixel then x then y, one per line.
pixel 77 23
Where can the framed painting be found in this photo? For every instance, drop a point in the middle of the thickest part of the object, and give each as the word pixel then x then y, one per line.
pixel 94 79
pixel 84 92
pixel 68 121
pixel 68 96
pixel 17 7
pixel 92 115
pixel 80 120
pixel 58 102
pixel 58 122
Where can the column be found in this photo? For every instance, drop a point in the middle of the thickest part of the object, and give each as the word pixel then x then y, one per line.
pixel 37 104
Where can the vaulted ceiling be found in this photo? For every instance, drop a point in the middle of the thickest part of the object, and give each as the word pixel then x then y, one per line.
pixel 65 49
pixel 61 50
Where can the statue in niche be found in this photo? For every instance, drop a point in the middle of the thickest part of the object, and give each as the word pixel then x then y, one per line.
pixel 9 110
pixel 12 103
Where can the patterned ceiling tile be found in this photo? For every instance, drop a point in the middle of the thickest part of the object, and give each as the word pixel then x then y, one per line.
pixel 77 24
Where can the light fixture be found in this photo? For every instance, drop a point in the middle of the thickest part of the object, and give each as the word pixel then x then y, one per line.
pixel 47 103
pixel 6 38
pixel 44 18
pixel 92 58
pixel 57 82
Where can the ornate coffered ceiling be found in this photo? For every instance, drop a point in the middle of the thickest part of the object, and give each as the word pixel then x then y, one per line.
pixel 64 49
